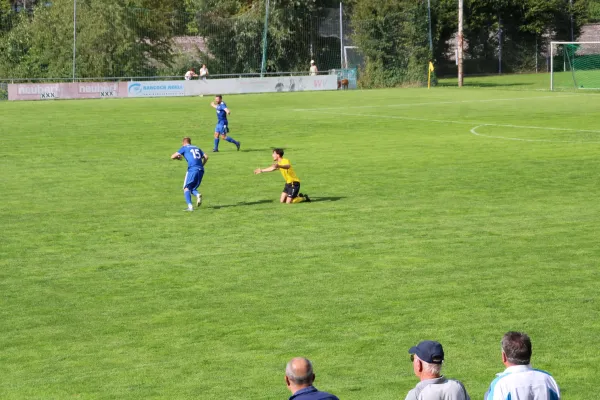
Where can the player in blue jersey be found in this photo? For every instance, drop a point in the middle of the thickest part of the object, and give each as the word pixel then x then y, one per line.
pixel 196 160
pixel 222 128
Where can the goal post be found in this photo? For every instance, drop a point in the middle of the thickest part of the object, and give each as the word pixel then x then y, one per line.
pixel 352 57
pixel 575 65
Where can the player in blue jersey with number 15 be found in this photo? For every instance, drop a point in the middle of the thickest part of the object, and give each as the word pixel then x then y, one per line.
pixel 193 177
pixel 222 128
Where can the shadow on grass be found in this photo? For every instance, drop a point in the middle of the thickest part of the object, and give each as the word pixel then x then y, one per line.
pixel 243 203
pixel 255 203
pixel 317 199
pixel 267 150
pixel 485 84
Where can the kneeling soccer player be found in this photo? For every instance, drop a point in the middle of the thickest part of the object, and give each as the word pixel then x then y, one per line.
pixel 291 191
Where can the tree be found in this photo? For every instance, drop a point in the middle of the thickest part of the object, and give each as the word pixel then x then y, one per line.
pixel 444 16
pixel 392 35
pixel 233 31
pixel 593 11
pixel 112 40
pixel 295 36
pixel 525 26
pixel 18 5
pixel 523 23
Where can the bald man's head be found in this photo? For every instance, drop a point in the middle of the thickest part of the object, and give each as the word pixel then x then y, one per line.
pixel 300 371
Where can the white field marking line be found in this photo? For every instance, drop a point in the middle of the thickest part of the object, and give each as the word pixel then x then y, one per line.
pixel 471 123
pixel 474 132
pixel 439 102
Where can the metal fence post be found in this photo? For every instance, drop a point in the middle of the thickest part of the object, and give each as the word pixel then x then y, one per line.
pixel 263 66
pixel 74 35
pixel 460 43
pixel 341 38
pixel 430 34
pixel 499 44
pixel 536 54
pixel 571 11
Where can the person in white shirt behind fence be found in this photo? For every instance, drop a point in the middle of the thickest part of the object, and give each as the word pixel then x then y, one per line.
pixel 203 72
pixel 520 381
pixel 313 68
pixel 190 74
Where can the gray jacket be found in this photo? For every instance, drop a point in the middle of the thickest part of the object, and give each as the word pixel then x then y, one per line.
pixel 438 389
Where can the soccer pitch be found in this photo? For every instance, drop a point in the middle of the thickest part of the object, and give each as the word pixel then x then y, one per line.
pixel 444 214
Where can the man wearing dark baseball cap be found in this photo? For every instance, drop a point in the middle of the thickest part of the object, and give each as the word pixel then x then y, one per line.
pixel 427 358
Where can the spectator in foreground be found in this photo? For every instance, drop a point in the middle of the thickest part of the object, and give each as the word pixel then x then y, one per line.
pixel 190 74
pixel 519 380
pixel 203 72
pixel 427 358
pixel 313 68
pixel 299 377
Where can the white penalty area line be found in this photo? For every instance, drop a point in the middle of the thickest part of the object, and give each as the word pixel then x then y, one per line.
pixel 474 132
pixel 431 103
pixel 479 125
pixel 470 123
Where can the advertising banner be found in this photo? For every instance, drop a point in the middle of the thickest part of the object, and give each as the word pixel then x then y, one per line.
pixel 100 90
pixel 287 84
pixel 51 91
pixel 261 85
pixel 155 89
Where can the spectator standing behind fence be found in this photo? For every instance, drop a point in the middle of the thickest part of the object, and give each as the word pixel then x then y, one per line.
pixel 299 377
pixel 203 72
pixel 190 74
pixel 519 380
pixel 313 68
pixel 427 358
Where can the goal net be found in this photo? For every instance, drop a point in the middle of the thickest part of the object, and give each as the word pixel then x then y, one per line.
pixel 353 57
pixel 575 65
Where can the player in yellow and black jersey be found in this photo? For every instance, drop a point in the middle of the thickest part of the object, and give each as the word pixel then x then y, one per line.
pixel 291 190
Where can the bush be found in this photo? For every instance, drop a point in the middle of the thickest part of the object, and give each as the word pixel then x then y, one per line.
pixel 392 36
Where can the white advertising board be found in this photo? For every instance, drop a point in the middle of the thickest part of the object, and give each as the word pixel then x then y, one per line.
pixel 170 88
pixel 155 89
pixel 261 85
pixel 64 90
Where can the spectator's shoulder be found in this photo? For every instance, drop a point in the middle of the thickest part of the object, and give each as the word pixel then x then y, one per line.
pixel 461 388
pixel 411 395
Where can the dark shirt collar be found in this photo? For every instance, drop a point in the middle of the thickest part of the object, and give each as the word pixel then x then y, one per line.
pixel 308 389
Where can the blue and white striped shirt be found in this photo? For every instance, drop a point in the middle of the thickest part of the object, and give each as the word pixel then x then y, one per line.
pixel 522 382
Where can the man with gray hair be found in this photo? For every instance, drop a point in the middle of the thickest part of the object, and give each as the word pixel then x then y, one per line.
pixel 519 380
pixel 299 377
pixel 427 358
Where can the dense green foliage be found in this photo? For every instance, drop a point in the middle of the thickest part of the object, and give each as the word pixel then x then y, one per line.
pixel 135 37
pixel 113 39
pixel 523 25
pixel 392 36
pixel 593 12
pixel 234 32
pixel 418 230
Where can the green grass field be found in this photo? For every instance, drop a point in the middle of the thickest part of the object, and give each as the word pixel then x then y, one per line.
pixel 585 80
pixel 444 214
pixel 511 81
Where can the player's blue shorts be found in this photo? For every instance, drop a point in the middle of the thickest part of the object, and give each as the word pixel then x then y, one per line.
pixel 222 127
pixel 193 178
